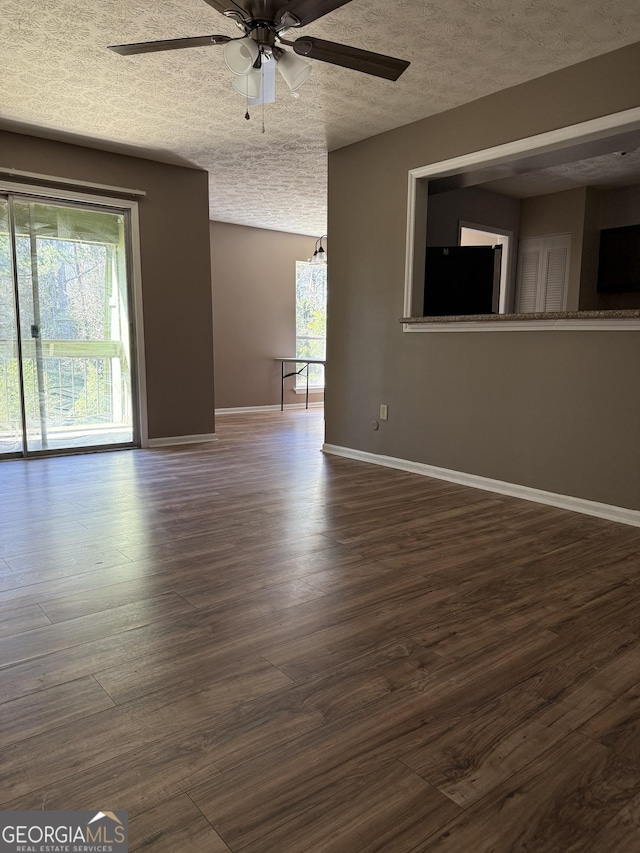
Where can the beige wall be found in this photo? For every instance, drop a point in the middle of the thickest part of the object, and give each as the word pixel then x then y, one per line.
pixel 253 276
pixel 558 213
pixel 551 410
pixel 176 272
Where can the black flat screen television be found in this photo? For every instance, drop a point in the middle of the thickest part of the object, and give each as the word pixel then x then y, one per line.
pixel 461 280
pixel 619 260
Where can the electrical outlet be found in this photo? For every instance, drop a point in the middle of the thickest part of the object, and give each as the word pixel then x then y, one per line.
pixel 384 412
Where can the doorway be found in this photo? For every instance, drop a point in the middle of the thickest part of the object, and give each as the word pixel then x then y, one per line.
pixel 479 235
pixel 67 379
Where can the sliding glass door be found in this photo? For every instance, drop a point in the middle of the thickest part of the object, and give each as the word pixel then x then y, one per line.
pixel 11 424
pixel 65 345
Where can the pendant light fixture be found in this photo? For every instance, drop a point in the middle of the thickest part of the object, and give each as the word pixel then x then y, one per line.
pixel 319 254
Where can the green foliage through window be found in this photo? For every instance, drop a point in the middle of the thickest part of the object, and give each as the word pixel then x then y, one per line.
pixel 311 318
pixel 72 288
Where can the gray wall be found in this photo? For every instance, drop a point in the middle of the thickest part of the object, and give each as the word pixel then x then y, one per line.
pixel 254 300
pixel 552 410
pixel 176 271
pixel 472 204
pixel 619 207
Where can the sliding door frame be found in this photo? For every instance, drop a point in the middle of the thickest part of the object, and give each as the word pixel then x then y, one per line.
pixel 32 193
pixel 18 328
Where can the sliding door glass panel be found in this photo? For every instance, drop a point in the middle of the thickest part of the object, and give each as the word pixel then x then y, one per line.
pixel 10 408
pixel 74 323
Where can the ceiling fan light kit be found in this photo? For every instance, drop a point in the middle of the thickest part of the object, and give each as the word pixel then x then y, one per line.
pixel 264 22
pixel 293 70
pixel 240 55
pixel 249 85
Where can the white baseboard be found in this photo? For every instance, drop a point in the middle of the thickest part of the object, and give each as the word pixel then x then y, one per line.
pixel 242 410
pixel 182 439
pixel 599 510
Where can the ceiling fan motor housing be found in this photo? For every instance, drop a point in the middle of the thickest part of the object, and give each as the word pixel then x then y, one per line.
pixel 263 33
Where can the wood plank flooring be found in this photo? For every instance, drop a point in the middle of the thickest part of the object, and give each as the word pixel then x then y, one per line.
pixel 250 646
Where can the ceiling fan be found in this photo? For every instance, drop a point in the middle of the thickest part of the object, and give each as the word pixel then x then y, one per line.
pixel 264 24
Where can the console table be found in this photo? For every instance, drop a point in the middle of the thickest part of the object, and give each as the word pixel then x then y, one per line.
pixel 305 362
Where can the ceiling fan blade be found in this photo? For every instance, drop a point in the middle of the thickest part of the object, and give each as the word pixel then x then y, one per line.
pixel 167 44
pixel 351 57
pixel 307 11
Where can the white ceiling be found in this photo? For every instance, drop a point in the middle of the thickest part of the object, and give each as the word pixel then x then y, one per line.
pixel 607 171
pixel 56 74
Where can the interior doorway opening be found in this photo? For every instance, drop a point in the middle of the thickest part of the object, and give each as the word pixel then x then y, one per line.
pixel 480 235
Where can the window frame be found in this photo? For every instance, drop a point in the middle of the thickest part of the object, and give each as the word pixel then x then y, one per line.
pixel 301 380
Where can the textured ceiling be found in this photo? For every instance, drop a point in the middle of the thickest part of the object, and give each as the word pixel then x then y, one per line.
pixel 605 172
pixel 56 74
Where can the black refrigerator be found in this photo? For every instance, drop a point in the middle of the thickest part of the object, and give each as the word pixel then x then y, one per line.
pixel 462 280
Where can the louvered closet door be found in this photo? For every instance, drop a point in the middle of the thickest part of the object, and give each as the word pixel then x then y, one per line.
pixel 556 272
pixel 529 263
pixel 543 274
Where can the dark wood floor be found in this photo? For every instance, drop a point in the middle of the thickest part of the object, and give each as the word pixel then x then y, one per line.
pixel 251 646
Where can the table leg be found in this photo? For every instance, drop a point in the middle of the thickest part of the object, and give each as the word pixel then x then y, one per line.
pixel 306 404
pixel 282 388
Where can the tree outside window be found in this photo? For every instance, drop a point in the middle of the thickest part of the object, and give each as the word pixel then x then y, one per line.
pixel 311 319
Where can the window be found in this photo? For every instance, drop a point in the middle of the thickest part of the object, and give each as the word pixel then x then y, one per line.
pixel 311 319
